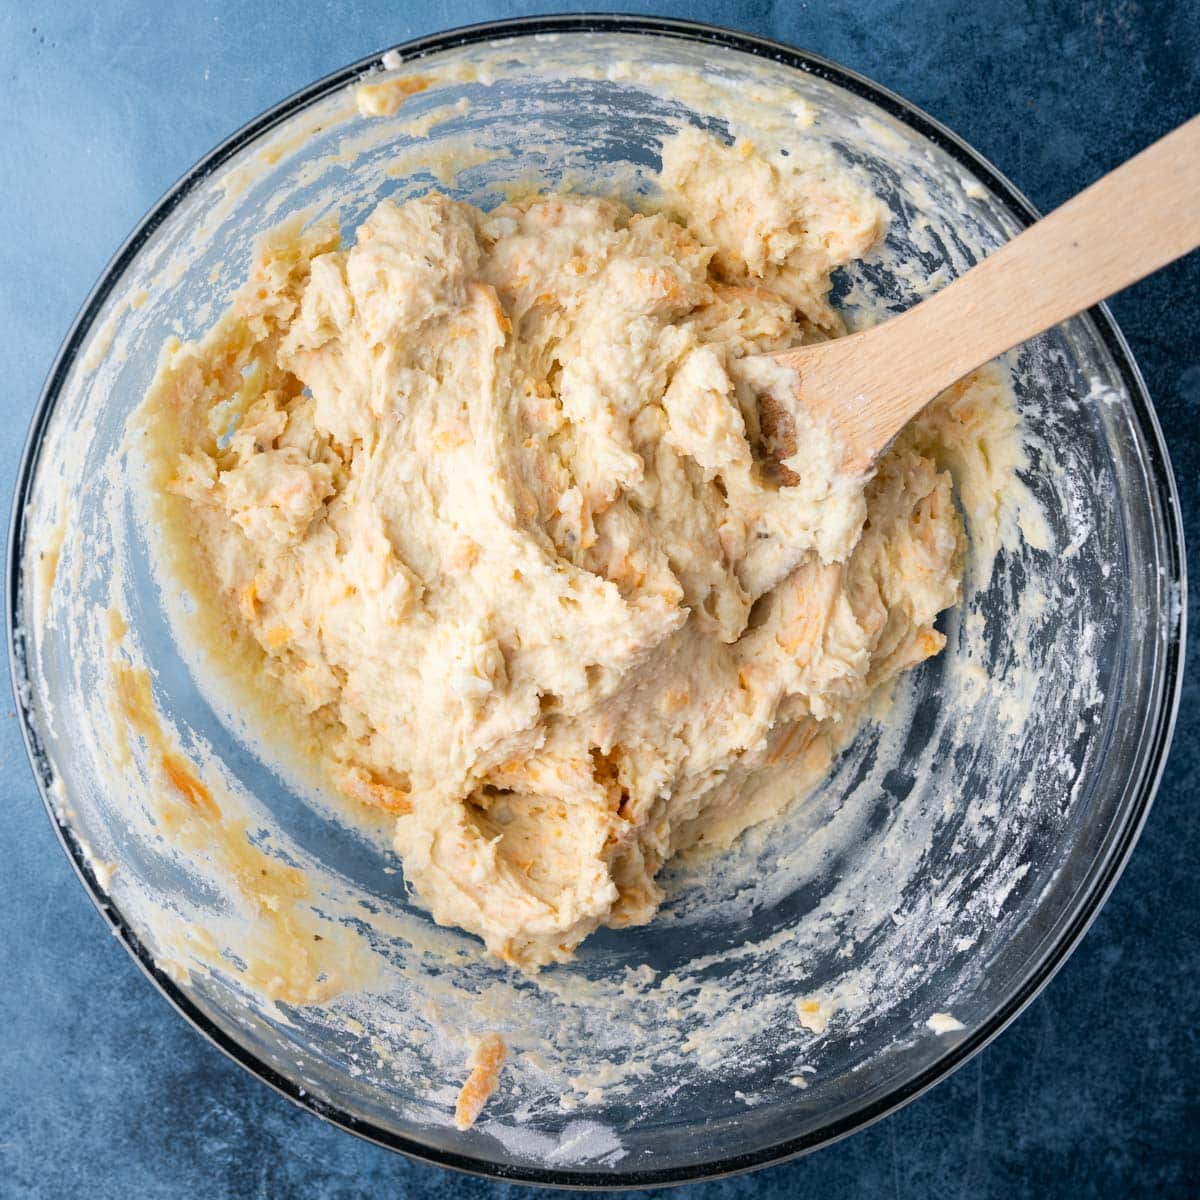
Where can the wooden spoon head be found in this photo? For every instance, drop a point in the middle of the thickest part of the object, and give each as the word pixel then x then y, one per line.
pixel 820 384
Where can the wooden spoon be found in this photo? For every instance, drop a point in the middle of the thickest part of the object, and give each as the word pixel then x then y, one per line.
pixel 869 385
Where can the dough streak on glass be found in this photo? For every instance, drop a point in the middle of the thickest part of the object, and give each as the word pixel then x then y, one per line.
pixel 536 559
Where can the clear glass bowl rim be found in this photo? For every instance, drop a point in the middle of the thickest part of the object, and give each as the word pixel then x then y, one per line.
pixel 1103 873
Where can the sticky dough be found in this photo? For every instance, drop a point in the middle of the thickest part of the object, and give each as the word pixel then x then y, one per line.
pixel 524 547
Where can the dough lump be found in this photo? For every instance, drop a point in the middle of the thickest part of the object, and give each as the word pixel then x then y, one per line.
pixel 523 547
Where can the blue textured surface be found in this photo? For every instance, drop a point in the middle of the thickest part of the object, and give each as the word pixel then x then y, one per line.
pixel 105 1091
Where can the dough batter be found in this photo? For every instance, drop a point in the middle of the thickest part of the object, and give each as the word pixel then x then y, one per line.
pixel 546 568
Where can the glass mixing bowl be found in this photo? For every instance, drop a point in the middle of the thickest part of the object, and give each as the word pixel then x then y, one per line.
pixel 912 906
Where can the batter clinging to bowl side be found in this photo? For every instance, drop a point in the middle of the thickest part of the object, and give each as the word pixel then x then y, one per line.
pixel 525 547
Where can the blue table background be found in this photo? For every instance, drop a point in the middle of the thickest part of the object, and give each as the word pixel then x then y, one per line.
pixel 104 1090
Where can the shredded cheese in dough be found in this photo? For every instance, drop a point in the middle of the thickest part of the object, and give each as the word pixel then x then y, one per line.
pixel 548 568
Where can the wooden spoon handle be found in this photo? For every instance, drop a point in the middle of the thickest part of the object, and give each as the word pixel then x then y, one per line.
pixel 1128 224
pixel 1134 220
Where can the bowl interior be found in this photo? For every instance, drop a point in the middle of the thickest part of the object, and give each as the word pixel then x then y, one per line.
pixel 946 865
